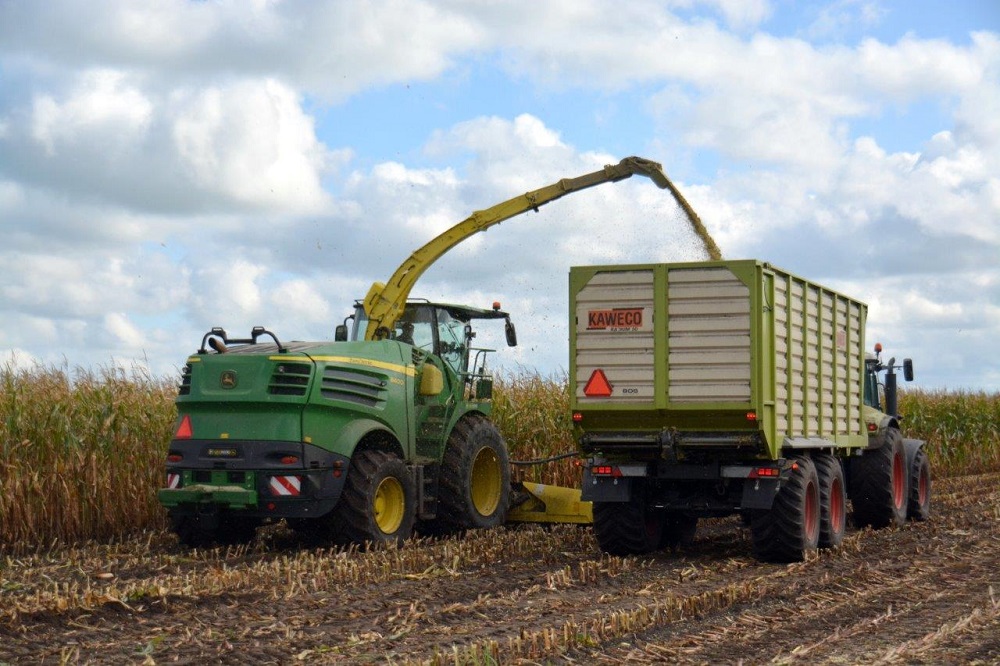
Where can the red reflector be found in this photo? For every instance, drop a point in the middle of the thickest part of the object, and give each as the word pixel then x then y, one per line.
pixel 289 460
pixel 751 416
pixel 598 385
pixel 872 427
pixel 175 457
pixel 577 417
pixel 184 429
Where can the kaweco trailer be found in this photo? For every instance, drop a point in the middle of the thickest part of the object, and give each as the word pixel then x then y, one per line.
pixel 711 388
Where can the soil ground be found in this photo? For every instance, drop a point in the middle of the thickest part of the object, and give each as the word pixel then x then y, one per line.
pixel 924 593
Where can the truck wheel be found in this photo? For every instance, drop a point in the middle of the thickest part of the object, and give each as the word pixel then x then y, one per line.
pixel 919 506
pixel 832 500
pixel 791 528
pixel 629 528
pixel 474 485
pixel 678 530
pixel 880 484
pixel 378 504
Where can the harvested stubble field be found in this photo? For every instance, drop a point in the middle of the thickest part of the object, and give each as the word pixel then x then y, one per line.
pixel 925 593
pixel 82 457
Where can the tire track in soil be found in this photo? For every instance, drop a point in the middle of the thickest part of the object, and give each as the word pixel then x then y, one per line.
pixel 525 595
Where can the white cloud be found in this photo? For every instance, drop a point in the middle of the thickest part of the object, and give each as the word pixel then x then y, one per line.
pixel 252 142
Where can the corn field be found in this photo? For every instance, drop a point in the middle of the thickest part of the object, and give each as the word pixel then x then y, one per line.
pixel 82 451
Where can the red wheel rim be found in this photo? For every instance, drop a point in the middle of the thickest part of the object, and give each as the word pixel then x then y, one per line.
pixel 898 480
pixel 837 515
pixel 812 515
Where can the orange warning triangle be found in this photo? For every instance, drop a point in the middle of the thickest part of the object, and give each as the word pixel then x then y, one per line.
pixel 184 429
pixel 598 385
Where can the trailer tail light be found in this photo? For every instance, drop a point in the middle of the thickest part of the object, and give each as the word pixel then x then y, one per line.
pixel 764 473
pixel 184 430
pixel 606 470
pixel 751 416
pixel 577 417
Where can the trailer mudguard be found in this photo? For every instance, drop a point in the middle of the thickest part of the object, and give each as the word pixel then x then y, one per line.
pixel 759 493
pixel 605 489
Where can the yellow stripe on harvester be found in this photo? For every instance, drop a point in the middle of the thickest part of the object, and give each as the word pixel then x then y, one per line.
pixel 381 365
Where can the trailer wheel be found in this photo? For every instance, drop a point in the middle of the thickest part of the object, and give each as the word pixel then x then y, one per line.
pixel 832 500
pixel 378 503
pixel 880 484
pixel 629 528
pixel 474 484
pixel 791 527
pixel 919 506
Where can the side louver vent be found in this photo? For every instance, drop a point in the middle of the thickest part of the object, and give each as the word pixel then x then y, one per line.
pixel 352 386
pixel 290 379
pixel 185 387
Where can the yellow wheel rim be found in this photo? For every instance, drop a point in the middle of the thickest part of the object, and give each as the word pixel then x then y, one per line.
pixel 390 505
pixel 487 478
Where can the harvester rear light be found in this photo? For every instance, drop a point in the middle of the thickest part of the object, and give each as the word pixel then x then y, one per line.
pixel 289 460
pixel 175 457
pixel 184 430
pixel 606 470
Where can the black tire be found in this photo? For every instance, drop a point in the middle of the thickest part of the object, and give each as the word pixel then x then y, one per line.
pixel 378 503
pixel 879 486
pixel 791 528
pixel 919 505
pixel 832 500
pixel 678 530
pixel 629 528
pixel 474 484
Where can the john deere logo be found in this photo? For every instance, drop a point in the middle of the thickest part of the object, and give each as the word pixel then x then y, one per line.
pixel 228 379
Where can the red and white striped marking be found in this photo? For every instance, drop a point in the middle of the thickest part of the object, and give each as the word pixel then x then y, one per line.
pixel 286 486
pixel 173 480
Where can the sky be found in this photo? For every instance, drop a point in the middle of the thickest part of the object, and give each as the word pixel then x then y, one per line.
pixel 167 166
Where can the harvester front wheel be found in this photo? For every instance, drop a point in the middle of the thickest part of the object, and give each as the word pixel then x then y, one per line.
pixel 919 506
pixel 474 485
pixel 629 528
pixel 832 500
pixel 378 504
pixel 791 527
pixel 880 484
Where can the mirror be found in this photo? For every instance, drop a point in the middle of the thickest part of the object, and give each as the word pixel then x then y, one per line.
pixel 908 369
pixel 340 333
pixel 511 334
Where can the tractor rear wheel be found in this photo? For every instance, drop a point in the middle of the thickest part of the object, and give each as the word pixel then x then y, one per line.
pixel 629 528
pixel 880 484
pixel 832 500
pixel 791 527
pixel 474 484
pixel 919 505
pixel 378 504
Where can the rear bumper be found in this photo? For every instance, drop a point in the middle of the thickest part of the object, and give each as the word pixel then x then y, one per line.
pixel 254 482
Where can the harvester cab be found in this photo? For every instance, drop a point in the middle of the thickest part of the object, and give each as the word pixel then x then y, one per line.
pixel 443 330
